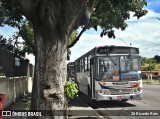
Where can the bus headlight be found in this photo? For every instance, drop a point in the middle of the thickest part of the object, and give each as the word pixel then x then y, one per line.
pixel 139 89
pixel 136 90
pixel 104 92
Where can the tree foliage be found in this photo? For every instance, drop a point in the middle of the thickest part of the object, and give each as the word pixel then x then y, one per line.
pixel 70 41
pixel 9 16
pixel 148 64
pixel 107 14
pixel 157 58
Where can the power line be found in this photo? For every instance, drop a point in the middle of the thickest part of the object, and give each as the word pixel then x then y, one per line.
pixel 151 46
pixel 122 40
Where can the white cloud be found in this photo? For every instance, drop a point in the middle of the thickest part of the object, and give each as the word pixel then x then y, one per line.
pixel 143 33
pixel 149 16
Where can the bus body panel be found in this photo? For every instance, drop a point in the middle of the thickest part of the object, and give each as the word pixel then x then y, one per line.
pixel 83 81
pixel 121 78
pixel 110 91
pixel 100 97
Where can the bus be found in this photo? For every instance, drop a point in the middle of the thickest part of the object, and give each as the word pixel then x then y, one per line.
pixel 70 71
pixel 110 73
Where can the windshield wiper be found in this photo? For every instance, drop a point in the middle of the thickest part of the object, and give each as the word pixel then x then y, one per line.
pixel 124 72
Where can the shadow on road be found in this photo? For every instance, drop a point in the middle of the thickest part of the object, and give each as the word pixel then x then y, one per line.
pixel 76 102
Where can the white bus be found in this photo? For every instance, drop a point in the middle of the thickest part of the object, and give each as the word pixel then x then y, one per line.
pixel 70 71
pixel 110 73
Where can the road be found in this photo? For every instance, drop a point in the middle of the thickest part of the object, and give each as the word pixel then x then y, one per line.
pixel 149 104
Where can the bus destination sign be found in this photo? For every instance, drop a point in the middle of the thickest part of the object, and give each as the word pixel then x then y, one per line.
pixel 117 50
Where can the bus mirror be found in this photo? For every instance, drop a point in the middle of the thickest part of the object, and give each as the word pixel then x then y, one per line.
pixel 88 75
pixel 92 61
pixel 129 56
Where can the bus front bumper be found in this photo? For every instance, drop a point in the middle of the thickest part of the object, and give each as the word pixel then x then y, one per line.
pixel 100 97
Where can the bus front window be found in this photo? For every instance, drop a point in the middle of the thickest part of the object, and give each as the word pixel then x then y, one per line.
pixel 129 66
pixel 119 68
pixel 129 63
pixel 107 66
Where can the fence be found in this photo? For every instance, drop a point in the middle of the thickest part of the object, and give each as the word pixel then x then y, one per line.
pixel 13 89
pixel 16 75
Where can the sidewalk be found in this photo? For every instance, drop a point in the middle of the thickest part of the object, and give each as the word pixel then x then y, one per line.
pixel 21 104
pixel 77 109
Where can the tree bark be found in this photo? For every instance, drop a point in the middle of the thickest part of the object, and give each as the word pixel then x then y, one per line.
pixel 50 75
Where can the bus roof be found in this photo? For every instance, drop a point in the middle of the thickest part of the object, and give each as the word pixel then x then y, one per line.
pixel 111 49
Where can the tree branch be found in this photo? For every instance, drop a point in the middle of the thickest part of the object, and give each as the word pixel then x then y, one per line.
pixel 25 7
pixel 25 38
pixel 29 43
pixel 95 2
pixel 77 39
pixel 90 9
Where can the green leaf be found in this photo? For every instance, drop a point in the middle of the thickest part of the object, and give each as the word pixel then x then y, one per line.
pixel 70 89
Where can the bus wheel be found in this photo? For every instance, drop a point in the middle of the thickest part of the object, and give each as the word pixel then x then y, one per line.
pixel 79 92
pixel 124 100
pixel 89 92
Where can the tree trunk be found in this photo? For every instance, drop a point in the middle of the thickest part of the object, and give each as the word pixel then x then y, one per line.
pixel 53 21
pixel 50 75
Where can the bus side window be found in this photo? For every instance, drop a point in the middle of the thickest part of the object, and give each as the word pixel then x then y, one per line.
pixel 92 61
pixel 89 57
pixel 78 66
pixel 86 64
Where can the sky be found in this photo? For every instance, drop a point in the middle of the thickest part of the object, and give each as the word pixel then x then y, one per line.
pixel 143 33
pixel 8 32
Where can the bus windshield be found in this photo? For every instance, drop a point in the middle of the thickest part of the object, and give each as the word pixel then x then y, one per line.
pixel 119 68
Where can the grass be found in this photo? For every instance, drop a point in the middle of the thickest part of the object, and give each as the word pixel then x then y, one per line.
pixel 151 81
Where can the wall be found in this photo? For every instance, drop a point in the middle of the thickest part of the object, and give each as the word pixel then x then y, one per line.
pixel 14 88
pixel 13 65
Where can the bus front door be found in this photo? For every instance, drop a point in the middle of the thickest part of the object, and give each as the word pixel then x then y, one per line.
pixel 92 77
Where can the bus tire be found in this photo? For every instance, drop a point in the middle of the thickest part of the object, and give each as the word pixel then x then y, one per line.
pixel 124 100
pixel 79 92
pixel 89 91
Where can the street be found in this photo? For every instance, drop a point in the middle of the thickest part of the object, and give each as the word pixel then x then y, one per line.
pixel 149 105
